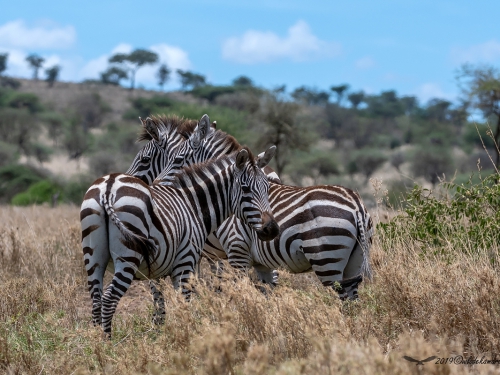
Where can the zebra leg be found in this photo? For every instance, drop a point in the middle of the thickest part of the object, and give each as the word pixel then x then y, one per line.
pixel 126 263
pixel 329 266
pixel 349 288
pixel 95 253
pixel 124 274
pixel 158 302
pixel 183 269
pixel 266 275
pixel 352 271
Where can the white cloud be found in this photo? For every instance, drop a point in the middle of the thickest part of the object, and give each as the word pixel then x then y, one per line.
pixel 484 52
pixel 16 34
pixel 94 67
pixel 365 63
pixel 265 46
pixel 431 90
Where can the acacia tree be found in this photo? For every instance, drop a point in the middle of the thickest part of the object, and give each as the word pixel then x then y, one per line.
pixel 356 98
pixel 282 129
pixel 35 63
pixel 481 88
pixel 131 62
pixel 113 75
pixel 190 79
pixel 3 62
pixel 163 75
pixel 340 90
pixel 52 74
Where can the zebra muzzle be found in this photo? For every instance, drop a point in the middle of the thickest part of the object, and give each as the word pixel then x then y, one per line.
pixel 269 229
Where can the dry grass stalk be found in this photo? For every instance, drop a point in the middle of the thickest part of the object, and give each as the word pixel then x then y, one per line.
pixel 417 306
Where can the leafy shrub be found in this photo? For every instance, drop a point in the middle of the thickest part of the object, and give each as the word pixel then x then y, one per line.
pixel 8 153
pixel 471 136
pixel 39 193
pixel 314 164
pixel 240 101
pixel 366 161
pixel 29 101
pixel 75 188
pixel 466 216
pixel 144 107
pixel 431 162
pixel 210 92
pixel 15 178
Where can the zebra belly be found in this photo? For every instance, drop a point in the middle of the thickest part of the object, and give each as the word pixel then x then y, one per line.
pixel 294 261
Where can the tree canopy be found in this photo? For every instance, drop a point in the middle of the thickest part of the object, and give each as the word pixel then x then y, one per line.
pixel 131 62
pixel 35 61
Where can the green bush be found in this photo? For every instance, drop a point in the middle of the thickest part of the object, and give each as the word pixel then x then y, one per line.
pixel 465 217
pixel 8 153
pixel 366 161
pixel 15 178
pixel 313 164
pixel 39 193
pixel 432 161
pixel 144 107
pixel 74 189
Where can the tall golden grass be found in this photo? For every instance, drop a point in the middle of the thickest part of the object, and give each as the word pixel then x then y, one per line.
pixel 417 305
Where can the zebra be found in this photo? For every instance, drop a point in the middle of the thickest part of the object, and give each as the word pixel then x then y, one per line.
pixel 325 229
pixel 162 134
pixel 215 143
pixel 150 232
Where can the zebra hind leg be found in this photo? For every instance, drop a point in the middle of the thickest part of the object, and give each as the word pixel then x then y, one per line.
pixel 348 288
pixel 159 304
pixel 114 292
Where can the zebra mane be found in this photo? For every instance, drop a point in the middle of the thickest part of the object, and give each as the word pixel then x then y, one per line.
pixel 210 167
pixel 229 143
pixel 170 123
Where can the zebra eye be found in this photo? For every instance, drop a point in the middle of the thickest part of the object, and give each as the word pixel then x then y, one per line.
pixel 145 159
pixel 246 189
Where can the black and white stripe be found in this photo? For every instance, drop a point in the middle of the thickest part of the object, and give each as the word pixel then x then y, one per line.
pixel 149 232
pixel 325 229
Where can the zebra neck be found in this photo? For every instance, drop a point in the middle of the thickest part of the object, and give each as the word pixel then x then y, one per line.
pixel 209 195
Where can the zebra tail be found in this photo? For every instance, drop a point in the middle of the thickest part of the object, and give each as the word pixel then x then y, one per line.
pixel 365 243
pixel 133 241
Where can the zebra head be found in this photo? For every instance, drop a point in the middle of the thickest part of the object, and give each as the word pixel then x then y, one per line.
pixel 163 134
pixel 196 149
pixel 249 196
pixel 151 158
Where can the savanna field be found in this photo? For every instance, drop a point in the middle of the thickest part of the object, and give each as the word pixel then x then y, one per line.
pixel 440 299
pixel 434 297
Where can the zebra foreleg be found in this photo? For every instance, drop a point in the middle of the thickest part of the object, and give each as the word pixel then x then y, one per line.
pixel 181 276
pixel 267 275
pixel 159 304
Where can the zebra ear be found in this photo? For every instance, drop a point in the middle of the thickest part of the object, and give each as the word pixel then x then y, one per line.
pixel 151 128
pixel 241 159
pixel 201 130
pixel 265 157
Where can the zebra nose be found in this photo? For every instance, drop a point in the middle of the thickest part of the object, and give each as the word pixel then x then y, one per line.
pixel 270 228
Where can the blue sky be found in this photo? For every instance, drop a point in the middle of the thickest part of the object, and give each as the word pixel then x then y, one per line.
pixel 413 47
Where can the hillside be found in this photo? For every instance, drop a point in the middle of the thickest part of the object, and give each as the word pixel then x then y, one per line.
pixel 72 133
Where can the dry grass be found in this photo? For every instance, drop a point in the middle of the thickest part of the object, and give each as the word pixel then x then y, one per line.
pixel 416 306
